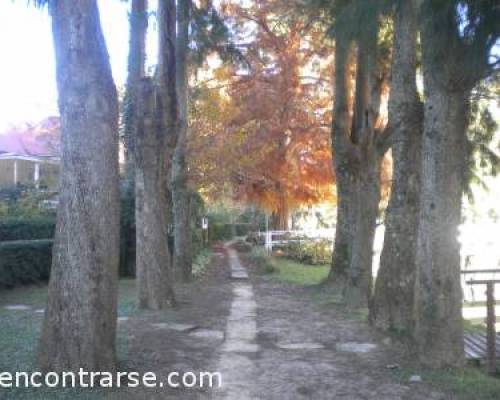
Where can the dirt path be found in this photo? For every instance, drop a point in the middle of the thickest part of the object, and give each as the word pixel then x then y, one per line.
pixel 268 339
pixel 311 351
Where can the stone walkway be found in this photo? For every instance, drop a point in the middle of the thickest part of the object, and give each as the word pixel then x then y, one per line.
pixel 236 363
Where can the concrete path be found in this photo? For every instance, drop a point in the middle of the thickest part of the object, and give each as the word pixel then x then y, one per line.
pixel 237 361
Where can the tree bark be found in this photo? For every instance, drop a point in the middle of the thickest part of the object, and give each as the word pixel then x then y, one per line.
pixel 136 60
pixel 392 307
pixel 366 159
pixel 341 148
pixel 154 274
pixel 438 295
pixel 180 191
pixel 283 212
pixel 155 141
pixel 439 329
pixel 358 292
pixel 79 326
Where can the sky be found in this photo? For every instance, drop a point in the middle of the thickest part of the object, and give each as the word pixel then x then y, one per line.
pixel 27 71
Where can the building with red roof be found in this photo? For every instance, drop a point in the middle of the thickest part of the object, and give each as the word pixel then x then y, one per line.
pixel 30 155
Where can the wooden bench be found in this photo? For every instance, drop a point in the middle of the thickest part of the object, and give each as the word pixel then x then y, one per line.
pixel 478 345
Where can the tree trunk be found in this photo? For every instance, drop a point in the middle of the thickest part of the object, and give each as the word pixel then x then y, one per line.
pixel 438 305
pixel 392 307
pixel 283 213
pixel 365 170
pixel 136 60
pixel 154 275
pixel 180 191
pixel 439 329
pixel 79 326
pixel 341 147
pixel 366 209
pixel 155 141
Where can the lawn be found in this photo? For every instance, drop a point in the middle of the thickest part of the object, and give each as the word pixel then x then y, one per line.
pixel 20 331
pixel 464 384
pixel 294 272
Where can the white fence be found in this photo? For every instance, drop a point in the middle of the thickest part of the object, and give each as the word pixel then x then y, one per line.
pixel 274 238
pixel 473 257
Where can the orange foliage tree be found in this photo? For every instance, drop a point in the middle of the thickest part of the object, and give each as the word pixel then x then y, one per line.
pixel 264 127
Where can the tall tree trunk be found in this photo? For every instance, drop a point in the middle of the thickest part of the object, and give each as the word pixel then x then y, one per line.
pixel 392 306
pixel 366 208
pixel 366 161
pixel 136 60
pixel 79 327
pixel 180 191
pixel 438 306
pixel 154 274
pixel 439 329
pixel 155 141
pixel 341 148
pixel 283 213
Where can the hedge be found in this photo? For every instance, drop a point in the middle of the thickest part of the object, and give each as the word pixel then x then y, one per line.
pixel 243 229
pixel 24 262
pixel 217 232
pixel 24 228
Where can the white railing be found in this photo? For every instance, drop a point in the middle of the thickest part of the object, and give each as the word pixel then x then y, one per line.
pixel 273 238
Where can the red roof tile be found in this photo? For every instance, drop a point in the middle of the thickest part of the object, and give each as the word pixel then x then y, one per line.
pixel 40 140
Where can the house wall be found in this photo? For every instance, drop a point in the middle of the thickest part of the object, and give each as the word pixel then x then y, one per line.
pixel 49 174
pixel 6 173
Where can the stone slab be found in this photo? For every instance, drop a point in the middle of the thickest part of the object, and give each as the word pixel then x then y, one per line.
pixel 175 326
pixel 208 334
pixel 301 346
pixel 354 347
pixel 17 307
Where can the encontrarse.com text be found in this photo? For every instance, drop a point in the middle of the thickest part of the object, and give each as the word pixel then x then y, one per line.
pixel 86 379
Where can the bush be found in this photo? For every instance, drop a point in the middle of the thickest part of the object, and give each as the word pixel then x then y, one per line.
pixel 309 252
pixel 27 228
pixel 217 232
pixel 24 262
pixel 242 229
pixel 200 262
pixel 197 245
pixel 263 262
pixel 25 201
pixel 256 238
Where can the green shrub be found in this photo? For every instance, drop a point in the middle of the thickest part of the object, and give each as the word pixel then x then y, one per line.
pixel 217 231
pixel 200 262
pixel 309 252
pixel 24 202
pixel 242 229
pixel 197 245
pixel 27 228
pixel 256 238
pixel 263 262
pixel 24 261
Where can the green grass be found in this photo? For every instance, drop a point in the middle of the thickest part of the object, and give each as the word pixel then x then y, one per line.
pixel 464 384
pixel 474 326
pixel 201 262
pixel 19 332
pixel 287 270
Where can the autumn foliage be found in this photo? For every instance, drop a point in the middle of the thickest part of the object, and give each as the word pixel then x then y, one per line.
pixel 265 126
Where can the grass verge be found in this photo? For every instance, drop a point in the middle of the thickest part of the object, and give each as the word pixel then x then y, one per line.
pixel 201 262
pixel 287 270
pixel 464 384
pixel 19 335
pixel 300 274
